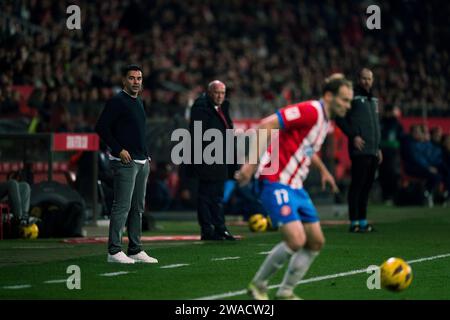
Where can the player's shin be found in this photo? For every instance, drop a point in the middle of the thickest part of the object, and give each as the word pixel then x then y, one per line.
pixel 274 261
pixel 298 266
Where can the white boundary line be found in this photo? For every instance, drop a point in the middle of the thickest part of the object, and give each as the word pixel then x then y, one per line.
pixel 225 258
pixel 55 281
pixel 17 287
pixel 171 266
pixel 42 247
pixel 315 279
pixel 113 274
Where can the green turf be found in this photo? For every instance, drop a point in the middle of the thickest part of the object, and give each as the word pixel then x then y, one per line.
pixel 410 233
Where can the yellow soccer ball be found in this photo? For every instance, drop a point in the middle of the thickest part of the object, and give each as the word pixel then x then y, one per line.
pixel 396 274
pixel 257 223
pixel 30 231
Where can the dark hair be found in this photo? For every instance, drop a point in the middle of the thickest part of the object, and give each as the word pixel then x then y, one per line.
pixel 130 67
pixel 333 84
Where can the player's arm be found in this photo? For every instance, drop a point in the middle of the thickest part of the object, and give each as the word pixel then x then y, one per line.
pixel 257 146
pixel 326 176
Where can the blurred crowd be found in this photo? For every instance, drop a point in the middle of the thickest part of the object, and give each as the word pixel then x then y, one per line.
pixel 415 164
pixel 426 155
pixel 267 52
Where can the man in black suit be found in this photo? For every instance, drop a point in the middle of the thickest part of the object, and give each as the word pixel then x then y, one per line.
pixel 211 111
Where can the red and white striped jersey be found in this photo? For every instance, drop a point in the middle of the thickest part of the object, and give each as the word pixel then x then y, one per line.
pixel 304 127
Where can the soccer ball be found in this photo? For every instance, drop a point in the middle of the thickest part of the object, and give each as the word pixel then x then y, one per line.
pixel 396 274
pixel 257 223
pixel 30 231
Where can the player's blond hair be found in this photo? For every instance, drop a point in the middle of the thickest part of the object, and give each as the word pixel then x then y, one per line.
pixel 334 82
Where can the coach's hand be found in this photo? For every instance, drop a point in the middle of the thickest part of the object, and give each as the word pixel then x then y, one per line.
pixel 359 143
pixel 380 157
pixel 244 175
pixel 328 178
pixel 125 156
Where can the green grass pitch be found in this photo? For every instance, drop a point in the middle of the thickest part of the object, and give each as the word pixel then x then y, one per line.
pixel 223 269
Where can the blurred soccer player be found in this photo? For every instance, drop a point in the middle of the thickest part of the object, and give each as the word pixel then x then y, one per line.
pixel 304 127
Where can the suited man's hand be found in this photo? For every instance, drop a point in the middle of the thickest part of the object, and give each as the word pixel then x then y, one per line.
pixel 359 143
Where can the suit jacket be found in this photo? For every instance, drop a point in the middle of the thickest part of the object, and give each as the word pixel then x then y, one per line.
pixel 204 110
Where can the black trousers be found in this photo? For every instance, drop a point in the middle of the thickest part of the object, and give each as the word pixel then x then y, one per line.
pixel 389 173
pixel 210 208
pixel 363 175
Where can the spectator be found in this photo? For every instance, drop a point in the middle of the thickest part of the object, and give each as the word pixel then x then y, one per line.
pixel 391 135
pixel 433 148
pixel 446 164
pixel 254 64
pixel 417 163
pixel 9 99
pixel 436 136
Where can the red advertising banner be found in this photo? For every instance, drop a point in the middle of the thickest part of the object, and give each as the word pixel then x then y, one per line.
pixel 75 142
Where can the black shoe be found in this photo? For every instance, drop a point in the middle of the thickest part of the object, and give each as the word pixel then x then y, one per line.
pixel 228 236
pixel 366 229
pixel 354 229
pixel 213 236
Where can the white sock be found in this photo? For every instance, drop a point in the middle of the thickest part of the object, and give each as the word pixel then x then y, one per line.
pixel 298 266
pixel 274 261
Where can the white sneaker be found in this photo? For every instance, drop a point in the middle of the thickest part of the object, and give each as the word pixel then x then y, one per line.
pixel 120 257
pixel 257 293
pixel 143 257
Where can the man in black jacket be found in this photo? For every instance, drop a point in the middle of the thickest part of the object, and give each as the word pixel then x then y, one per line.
pixel 211 111
pixel 361 126
pixel 122 127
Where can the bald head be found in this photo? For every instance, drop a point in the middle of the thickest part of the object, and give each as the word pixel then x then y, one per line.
pixel 366 79
pixel 216 91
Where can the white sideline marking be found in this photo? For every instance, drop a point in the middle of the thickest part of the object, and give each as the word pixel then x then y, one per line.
pixel 430 258
pixel 264 252
pixel 170 266
pixel 43 247
pixel 20 286
pixel 113 274
pixel 56 281
pixel 315 279
pixel 225 258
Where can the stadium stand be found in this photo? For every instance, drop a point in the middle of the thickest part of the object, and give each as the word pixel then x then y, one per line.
pixel 264 50
pixel 57 80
